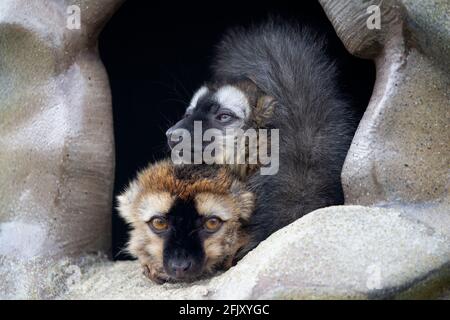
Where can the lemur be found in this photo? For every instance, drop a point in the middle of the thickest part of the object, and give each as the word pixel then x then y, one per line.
pixel 187 221
pixel 277 75
pixel 227 106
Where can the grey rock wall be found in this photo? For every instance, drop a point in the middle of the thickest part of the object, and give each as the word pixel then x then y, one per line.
pixel 401 151
pixel 56 140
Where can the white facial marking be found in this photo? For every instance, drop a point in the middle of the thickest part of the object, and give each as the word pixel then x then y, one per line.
pixel 155 204
pixel 234 99
pixel 126 200
pixel 197 96
pixel 212 205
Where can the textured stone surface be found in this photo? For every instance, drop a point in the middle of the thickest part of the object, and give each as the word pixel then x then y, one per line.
pixel 400 156
pixel 349 19
pixel 340 252
pixel 401 151
pixel 56 139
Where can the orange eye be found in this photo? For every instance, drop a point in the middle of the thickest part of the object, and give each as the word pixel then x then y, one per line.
pixel 213 224
pixel 159 224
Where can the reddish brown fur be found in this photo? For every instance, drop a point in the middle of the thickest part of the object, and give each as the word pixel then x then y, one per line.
pixel 217 184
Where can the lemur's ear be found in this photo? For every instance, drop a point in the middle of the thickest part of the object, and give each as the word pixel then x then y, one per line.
pixel 262 102
pixel 264 109
pixel 126 200
pixel 245 198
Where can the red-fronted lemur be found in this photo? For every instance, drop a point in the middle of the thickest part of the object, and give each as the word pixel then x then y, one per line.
pixel 187 221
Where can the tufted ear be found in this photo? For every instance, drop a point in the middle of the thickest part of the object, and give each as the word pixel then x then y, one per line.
pixel 262 103
pixel 264 109
pixel 126 201
pixel 244 199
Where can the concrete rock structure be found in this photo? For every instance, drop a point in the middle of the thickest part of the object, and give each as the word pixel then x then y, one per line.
pixel 392 240
pixel 56 141
pixel 338 252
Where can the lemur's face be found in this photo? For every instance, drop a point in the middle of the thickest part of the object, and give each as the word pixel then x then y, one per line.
pixel 186 221
pixel 221 108
pixel 229 106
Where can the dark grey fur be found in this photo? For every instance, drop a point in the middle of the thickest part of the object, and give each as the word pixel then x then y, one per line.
pixel 316 124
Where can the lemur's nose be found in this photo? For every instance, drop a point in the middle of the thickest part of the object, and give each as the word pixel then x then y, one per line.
pixel 180 267
pixel 169 132
pixel 171 141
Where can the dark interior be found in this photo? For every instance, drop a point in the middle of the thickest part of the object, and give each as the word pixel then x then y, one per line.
pixel 157 53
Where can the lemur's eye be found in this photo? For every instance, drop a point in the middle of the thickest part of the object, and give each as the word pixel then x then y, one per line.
pixel 224 117
pixel 159 224
pixel 213 224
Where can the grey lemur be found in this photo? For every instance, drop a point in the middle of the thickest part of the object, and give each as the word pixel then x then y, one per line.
pixel 277 75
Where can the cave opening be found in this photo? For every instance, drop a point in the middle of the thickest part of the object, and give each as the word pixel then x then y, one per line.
pixel 157 54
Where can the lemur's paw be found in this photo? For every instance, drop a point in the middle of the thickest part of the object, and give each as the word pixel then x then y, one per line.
pixel 153 275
